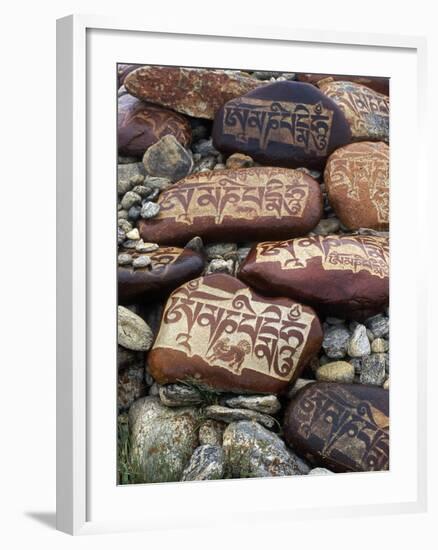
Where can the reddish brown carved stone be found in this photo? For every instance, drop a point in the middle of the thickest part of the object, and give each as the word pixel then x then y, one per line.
pixel 377 83
pixel 288 124
pixel 344 427
pixel 140 125
pixel 357 182
pixel 218 332
pixel 367 111
pixel 346 276
pixel 194 92
pixel 170 267
pixel 123 70
pixel 244 204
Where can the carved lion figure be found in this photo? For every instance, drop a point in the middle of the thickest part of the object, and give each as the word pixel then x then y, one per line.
pixel 233 354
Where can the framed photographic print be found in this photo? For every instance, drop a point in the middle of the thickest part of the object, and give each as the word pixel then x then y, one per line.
pixel 233 260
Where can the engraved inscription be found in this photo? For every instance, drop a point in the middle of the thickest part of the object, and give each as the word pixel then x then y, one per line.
pixel 245 194
pixel 302 125
pixel 344 428
pixel 362 253
pixel 232 330
pixel 164 257
pixel 358 173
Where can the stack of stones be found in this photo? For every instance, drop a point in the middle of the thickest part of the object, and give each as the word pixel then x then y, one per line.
pixel 253 274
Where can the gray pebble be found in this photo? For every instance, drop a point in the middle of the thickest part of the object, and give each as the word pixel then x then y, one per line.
pixel 373 370
pixel 146 247
pixel 133 234
pixel 335 342
pixel 124 225
pixel 129 199
pixel 225 414
pixel 130 244
pixel 141 261
pixel 379 345
pixel 122 214
pixel 178 395
pixel 211 432
pixel 220 266
pixel 149 210
pixel 120 235
pixel 124 259
pixel 207 462
pixel 218 250
pixel 379 325
pixel 134 212
pixel 359 345
pixel 142 190
pixel 320 472
pixel 268 404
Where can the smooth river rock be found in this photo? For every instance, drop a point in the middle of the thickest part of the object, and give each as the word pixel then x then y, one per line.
pixel 376 83
pixel 220 333
pixel 169 268
pixel 286 123
pixel 140 125
pixel 357 182
pixel 253 451
pixel 367 111
pixel 207 462
pixel 162 439
pixel 194 92
pixel 132 331
pixel 344 427
pixel 340 275
pixel 246 204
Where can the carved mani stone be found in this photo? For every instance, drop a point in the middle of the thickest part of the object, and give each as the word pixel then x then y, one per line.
pixel 344 276
pixel 344 427
pixel 377 83
pixel 357 182
pixel 140 125
pixel 169 268
pixel 288 124
pixel 367 111
pixel 248 204
pixel 194 92
pixel 219 333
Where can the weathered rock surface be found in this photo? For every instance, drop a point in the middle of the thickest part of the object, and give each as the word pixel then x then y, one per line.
pixel 335 341
pixel 169 268
pixel 282 124
pixel 251 203
pixel 179 395
pixel 130 386
pixel 376 83
pixel 207 462
pixel 344 427
pixel 338 275
pixel 367 111
pixel 140 125
pixel 254 451
pixel 338 371
pixel 123 69
pixel 373 369
pixel 195 92
pixel 219 332
pixel 132 332
pixel 227 414
pixel 211 432
pixel 267 404
pixel 162 439
pixel 167 158
pixel 357 182
pixel 359 344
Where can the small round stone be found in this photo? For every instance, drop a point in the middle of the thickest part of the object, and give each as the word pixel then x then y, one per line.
pixel 238 160
pixel 338 371
pixel 335 343
pixel 122 214
pixel 124 259
pixel 219 250
pixel 379 325
pixel 359 345
pixel 149 210
pixel 379 345
pixel 327 226
pixel 130 244
pixel 142 190
pixel 373 369
pixel 134 212
pixel 141 261
pixel 146 247
pixel 120 235
pixel 129 199
pixel 220 266
pixel 133 234
pixel 124 225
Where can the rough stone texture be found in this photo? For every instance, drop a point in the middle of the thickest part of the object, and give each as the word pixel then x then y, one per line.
pixel 130 386
pixel 195 92
pixel 220 266
pixel 132 332
pixel 168 159
pixel 297 386
pixel 335 341
pixel 357 182
pixel 341 275
pixel 267 404
pixel 125 172
pixel 338 371
pixel 327 226
pixel 379 345
pixel 141 262
pixel 379 325
pixel 207 462
pixel 129 358
pixel 227 414
pixel 237 160
pixel 359 345
pixel 130 199
pixel 254 451
pixel 169 268
pixel 219 250
pixel 207 334
pixel 344 427
pixel 263 124
pixel 376 83
pixel 367 111
pixel 250 203
pixel 140 125
pixel 149 210
pixel 373 369
pixel 211 432
pixel 320 472
pixel 178 395
pixel 162 439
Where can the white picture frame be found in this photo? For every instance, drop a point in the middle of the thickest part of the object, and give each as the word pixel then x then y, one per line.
pixel 88 499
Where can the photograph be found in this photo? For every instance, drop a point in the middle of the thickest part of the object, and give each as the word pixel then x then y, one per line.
pixel 253 257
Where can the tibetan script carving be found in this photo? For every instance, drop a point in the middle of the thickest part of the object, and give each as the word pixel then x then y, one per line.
pixel 233 330
pixel 355 253
pixel 240 194
pixel 298 124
